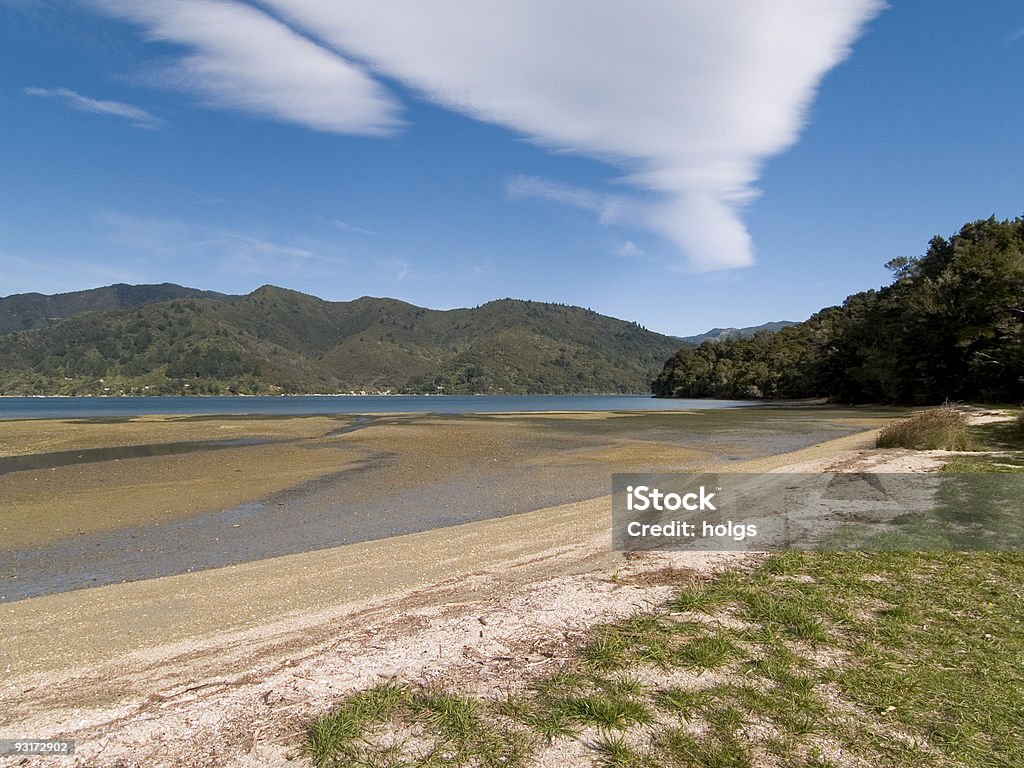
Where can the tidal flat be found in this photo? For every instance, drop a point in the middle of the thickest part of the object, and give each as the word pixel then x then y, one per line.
pixel 158 496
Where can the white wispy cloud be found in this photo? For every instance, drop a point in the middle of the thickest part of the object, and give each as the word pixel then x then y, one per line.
pixel 138 117
pixel 241 58
pixel 629 250
pixel 40 273
pixel 689 98
pixel 247 255
pixel 347 227
pixel 398 270
pixel 230 250
pixel 610 208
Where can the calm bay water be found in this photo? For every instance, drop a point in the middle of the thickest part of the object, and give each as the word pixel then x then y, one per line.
pixel 112 407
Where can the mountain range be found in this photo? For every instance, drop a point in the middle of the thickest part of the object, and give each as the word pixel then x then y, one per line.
pixel 167 339
pixel 723 334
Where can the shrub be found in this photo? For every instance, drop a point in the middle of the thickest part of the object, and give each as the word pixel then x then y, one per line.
pixel 942 428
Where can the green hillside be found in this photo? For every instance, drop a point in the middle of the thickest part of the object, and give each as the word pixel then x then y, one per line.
pixel 279 341
pixel 35 310
pixel 950 326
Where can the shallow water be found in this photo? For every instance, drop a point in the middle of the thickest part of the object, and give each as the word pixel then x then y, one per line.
pixel 91 407
pixel 547 462
pixel 116 453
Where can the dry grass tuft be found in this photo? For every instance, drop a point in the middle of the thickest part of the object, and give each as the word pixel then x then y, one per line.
pixel 942 428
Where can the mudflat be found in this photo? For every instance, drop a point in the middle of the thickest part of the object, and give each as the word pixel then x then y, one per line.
pixel 94 502
pixel 75 497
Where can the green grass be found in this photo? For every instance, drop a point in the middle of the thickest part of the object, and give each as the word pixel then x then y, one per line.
pixel 942 428
pixel 986 464
pixel 1000 435
pixel 699 597
pixel 883 659
pixel 434 728
pixel 615 752
pixel 1002 444
pixel 977 501
pixel 710 652
pixel 683 748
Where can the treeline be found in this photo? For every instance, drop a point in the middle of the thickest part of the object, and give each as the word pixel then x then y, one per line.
pixel 275 341
pixel 950 326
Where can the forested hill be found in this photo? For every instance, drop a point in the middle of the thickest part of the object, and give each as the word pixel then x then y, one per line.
pixel 36 310
pixel 950 326
pixel 279 341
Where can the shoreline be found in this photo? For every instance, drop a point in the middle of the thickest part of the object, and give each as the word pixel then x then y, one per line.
pixel 196 656
pixel 64 407
pixel 292 485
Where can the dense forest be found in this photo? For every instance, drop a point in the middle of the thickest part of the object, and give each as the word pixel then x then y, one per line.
pixel 24 311
pixel 949 326
pixel 276 341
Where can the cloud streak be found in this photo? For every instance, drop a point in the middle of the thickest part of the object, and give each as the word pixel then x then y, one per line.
pixel 609 208
pixel 629 250
pixel 688 99
pixel 345 226
pixel 233 251
pixel 241 58
pixel 24 274
pixel 398 270
pixel 137 116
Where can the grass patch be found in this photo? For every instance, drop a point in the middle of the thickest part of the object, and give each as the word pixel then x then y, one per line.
pixel 608 649
pixel 608 712
pixel 942 428
pixel 568 701
pixel 697 598
pixel 842 658
pixel 681 747
pixel 615 752
pixel 977 503
pixel 1004 443
pixel 710 652
pixel 396 726
pixel 965 465
pixel 1000 435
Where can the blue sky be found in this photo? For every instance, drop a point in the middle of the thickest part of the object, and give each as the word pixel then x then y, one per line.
pixel 686 165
